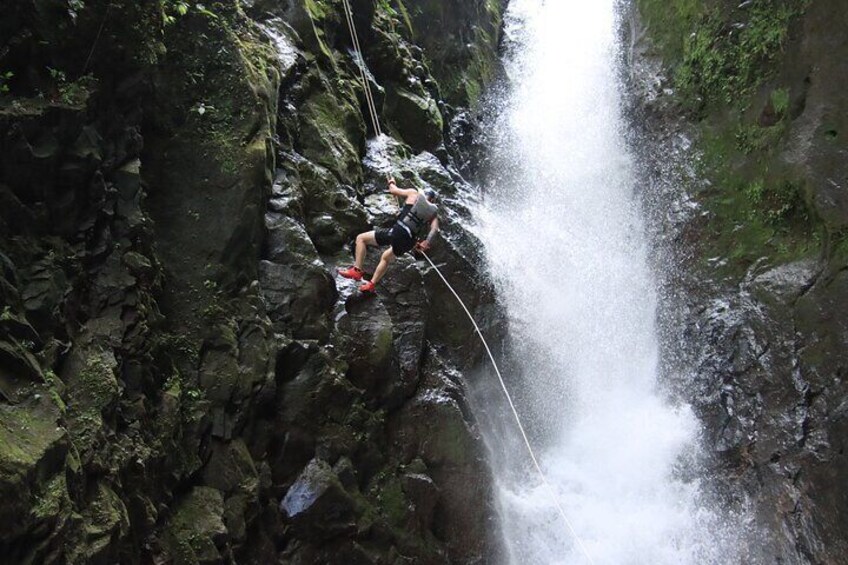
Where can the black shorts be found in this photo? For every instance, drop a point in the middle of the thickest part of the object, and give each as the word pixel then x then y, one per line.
pixel 395 236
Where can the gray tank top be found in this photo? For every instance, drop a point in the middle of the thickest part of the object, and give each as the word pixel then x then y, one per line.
pixel 419 216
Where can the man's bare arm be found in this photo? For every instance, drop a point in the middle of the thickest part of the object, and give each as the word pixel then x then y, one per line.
pixel 402 192
pixel 434 229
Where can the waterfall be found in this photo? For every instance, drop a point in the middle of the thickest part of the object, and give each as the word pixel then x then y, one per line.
pixel 565 238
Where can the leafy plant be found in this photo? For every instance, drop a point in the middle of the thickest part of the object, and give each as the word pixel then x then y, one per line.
pixel 757 138
pixel 74 8
pixel 724 60
pixel 5 77
pixel 780 101
pixel 74 92
pixel 172 10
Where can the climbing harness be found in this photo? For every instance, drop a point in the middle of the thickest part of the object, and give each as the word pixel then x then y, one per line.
pixel 418 216
pixel 375 121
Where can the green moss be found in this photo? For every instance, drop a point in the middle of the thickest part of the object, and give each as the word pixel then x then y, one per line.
pixel 756 138
pixel 318 12
pixel 755 212
pixel 717 54
pixel 331 129
pixel 53 500
pixel 89 393
pixel 105 521
pixel 670 23
pixel 720 57
pixel 393 502
pixel 197 519
pixel 405 15
pixel 26 432
pixel 383 344
pixel 780 101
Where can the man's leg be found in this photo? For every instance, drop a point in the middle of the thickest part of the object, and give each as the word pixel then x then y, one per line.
pixel 387 258
pixel 363 240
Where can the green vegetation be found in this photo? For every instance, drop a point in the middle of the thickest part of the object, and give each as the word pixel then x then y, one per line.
pixel 719 55
pixel 5 77
pixel 757 209
pixel 722 60
pixel 71 93
pixel 721 64
pixel 74 8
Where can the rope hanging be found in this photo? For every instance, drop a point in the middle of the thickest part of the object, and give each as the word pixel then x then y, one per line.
pixel 375 121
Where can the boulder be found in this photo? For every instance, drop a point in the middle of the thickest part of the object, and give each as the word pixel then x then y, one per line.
pixel 92 394
pixel 407 304
pixel 433 427
pixel 331 211
pixel 195 533
pixel 230 468
pixel 423 493
pixel 331 128
pixel 364 333
pixel 287 242
pixel 317 505
pixel 298 298
pixel 106 523
pixel 382 209
pixel 32 450
pixel 416 118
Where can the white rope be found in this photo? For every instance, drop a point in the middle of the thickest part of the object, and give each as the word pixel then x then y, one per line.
pixel 514 411
pixel 375 121
pixel 369 96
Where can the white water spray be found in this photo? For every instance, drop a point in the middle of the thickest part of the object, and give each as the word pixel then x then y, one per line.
pixel 565 237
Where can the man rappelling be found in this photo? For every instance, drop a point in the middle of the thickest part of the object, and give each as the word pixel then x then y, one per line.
pixel 419 211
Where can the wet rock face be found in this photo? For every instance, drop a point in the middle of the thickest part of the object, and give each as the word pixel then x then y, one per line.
pixel 769 387
pixel 183 376
pixel 767 347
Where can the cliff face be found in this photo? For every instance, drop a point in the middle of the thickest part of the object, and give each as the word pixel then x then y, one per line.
pixel 751 98
pixel 182 375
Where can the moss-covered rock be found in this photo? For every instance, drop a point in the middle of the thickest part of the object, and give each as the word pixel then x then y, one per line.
pixel 460 39
pixel 92 391
pixel 415 117
pixel 365 334
pixel 208 159
pixel 331 212
pixel 105 525
pixel 299 298
pixel 434 428
pixel 195 533
pixel 32 451
pixel 331 130
pixel 167 223
pixel 755 83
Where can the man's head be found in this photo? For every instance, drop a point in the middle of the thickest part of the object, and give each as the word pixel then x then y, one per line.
pixel 431 195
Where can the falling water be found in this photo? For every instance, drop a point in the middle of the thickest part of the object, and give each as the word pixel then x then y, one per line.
pixel 566 241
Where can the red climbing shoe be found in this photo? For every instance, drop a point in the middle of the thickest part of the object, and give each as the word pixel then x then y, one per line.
pixel 351 273
pixel 368 287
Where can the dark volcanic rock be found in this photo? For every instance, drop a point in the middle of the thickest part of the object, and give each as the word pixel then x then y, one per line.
pixel 766 340
pixel 176 355
pixel 317 504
